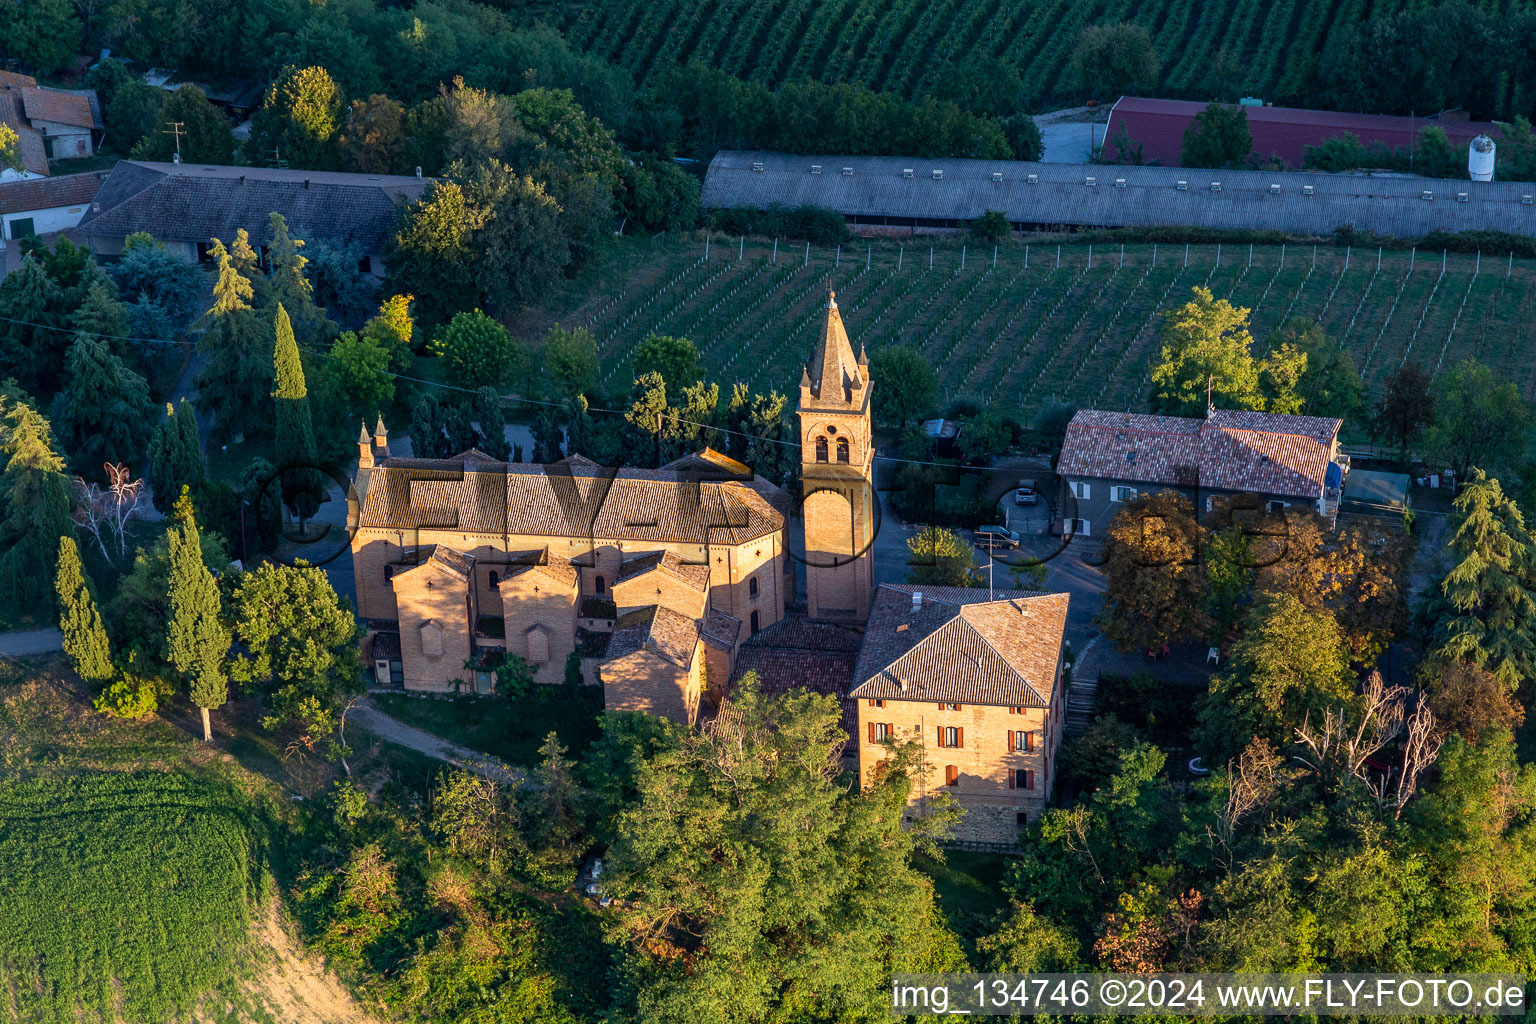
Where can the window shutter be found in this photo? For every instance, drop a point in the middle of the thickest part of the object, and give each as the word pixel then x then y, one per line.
pixel 871 732
pixel 1026 740
pixel 1010 739
pixel 1013 782
pixel 960 737
pixel 1029 779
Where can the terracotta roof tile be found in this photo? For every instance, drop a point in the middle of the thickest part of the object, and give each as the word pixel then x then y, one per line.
pixel 658 630
pixel 690 574
pixel 721 630
pixel 50 193
pixel 962 647
pixel 13 80
pixel 29 141
pixel 1266 453
pixel 59 106
pixel 565 500
pixel 556 568
pixel 797 654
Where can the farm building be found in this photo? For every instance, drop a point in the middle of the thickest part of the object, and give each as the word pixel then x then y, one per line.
pixel 185 206
pixel 1158 126
pixel 41 206
pixel 901 195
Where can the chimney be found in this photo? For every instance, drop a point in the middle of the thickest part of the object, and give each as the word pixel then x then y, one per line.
pixel 306 183
pixel 418 170
pixel 175 158
pixel 364 448
pixel 917 601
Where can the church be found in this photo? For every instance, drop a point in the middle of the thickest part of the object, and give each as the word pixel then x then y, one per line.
pixel 666 586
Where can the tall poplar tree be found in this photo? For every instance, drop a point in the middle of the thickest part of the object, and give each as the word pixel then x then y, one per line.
pixel 295 428
pixel 196 641
pixel 85 638
pixel 233 386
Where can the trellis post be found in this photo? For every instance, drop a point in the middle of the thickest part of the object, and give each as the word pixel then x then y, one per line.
pixel 1442 261
pixel 1026 257
pixel 869 254
pixel 837 257
pixel 1250 254
pixel 1378 259
pixel 1090 255
pixel 994 257
pixel 901 251
pixel 1346 257
pixel 741 253
pixel 775 249
pixel 1510 266
pixel 1154 254
pixel 930 257
pixel 962 257
pixel 1058 257
pixel 1218 255
pixel 807 255
pixel 1282 256
pixel 1477 268
pixel 1413 258
pixel 706 248
pixel 1122 254
pixel 1186 254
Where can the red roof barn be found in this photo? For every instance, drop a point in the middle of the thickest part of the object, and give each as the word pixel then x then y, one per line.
pixel 1284 132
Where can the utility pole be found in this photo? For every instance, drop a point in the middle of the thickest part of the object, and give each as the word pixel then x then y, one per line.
pixel 277 159
pixel 175 128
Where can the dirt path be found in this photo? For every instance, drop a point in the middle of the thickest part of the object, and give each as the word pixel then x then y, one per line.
pixel 293 986
pixel 383 726
pixel 23 642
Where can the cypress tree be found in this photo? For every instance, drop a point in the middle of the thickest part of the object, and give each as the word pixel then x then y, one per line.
pixel 493 424
pixel 85 638
pixel 233 386
pixel 175 455
pixel 196 641
pixel 36 507
pixel 290 289
pixel 295 429
pixel 103 413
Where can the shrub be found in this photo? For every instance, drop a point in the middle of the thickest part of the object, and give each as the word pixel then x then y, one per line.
pixel 129 697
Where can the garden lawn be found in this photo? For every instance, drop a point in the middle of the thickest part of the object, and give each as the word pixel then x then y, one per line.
pixel 512 731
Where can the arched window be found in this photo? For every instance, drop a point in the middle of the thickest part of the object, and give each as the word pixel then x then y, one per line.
pixel 751 586
pixel 600 585
pixel 821 449
pixel 842 450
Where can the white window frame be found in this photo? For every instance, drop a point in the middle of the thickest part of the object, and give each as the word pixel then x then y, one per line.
pixel 1120 492
pixel 1077 527
pixel 1081 490
pixel 1275 505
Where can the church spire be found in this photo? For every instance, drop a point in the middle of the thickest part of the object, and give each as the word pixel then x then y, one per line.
pixel 833 370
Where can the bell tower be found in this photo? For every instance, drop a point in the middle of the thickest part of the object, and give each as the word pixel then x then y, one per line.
pixel 836 476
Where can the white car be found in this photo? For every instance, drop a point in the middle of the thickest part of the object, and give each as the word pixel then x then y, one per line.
pixel 1026 493
pixel 594 887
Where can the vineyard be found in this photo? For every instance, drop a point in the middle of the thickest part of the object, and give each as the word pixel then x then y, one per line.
pixel 909 47
pixel 1043 323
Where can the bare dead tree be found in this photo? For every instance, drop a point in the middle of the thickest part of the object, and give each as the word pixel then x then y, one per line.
pixel 1337 749
pixel 1252 781
pixel 104 512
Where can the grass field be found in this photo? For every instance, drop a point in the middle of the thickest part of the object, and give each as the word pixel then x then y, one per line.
pixel 511 732
pixel 1076 324
pixel 910 46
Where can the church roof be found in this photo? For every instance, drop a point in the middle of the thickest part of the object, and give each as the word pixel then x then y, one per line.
pixel 833 371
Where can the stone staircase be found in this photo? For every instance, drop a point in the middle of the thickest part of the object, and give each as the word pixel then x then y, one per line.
pixel 1082 699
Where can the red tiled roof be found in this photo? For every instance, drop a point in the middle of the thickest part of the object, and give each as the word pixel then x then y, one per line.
pixel 12 80
pixel 29 142
pixel 1231 450
pixel 961 646
pixel 658 630
pixel 50 193
pixel 797 654
pixel 1284 132
pixel 690 574
pixel 59 106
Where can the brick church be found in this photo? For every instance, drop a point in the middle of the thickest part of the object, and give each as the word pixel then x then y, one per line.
pixel 666 586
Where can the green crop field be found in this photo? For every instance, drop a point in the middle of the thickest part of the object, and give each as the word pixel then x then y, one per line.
pixel 125 896
pixel 909 46
pixel 1076 324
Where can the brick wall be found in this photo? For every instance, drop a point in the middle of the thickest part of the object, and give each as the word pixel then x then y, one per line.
pixel 532 600
pixel 645 682
pixel 431 598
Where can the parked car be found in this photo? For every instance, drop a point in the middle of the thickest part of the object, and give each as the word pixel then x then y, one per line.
pixel 1026 494
pixel 991 537
pixel 594 885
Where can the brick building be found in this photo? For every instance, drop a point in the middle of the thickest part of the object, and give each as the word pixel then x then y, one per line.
pixel 978 678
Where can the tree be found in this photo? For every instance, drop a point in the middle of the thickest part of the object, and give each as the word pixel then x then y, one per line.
pixel 1154 590
pixel 196 641
pixel 1485 612
pixel 1290 662
pixel 10 154
pixel 42 34
pixel 432 255
pixel 103 413
pixel 941 558
pixel 175 455
pixel 345 293
pixel 299 119
pixel 570 361
pixel 32 302
pixel 1329 384
pixel 1479 419
pixel 85 638
pixel 300 647
pixel 1024 137
pixel 429 425
pixel 393 328
pixel 751 813
pixel 357 374
pixel 477 351
pixel 1406 408
pixel 1206 344
pixel 647 420
pixel 1024 942
pixel 984 437
pixel 1218 137
pixel 521 247
pixel 205 133
pixel 1280 376
pixel 1113 59
pixel 133 113
pixel 35 507
pixel 992 226
pixel 493 425
pixel 373 139
pixel 675 359
pixel 233 385
pixel 290 288
pixel 906 386
pixel 295 433
pixel 147 271
pixel 1471 702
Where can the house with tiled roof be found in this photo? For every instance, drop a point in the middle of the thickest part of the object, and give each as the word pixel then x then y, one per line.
pixel 50 124
pixel 185 206
pixel 976 676
pixel 1107 458
pixel 42 206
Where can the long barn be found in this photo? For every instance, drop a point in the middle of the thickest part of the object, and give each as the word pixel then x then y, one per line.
pixel 882 194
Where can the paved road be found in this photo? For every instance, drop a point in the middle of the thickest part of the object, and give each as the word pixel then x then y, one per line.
pixel 370 718
pixel 21 643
